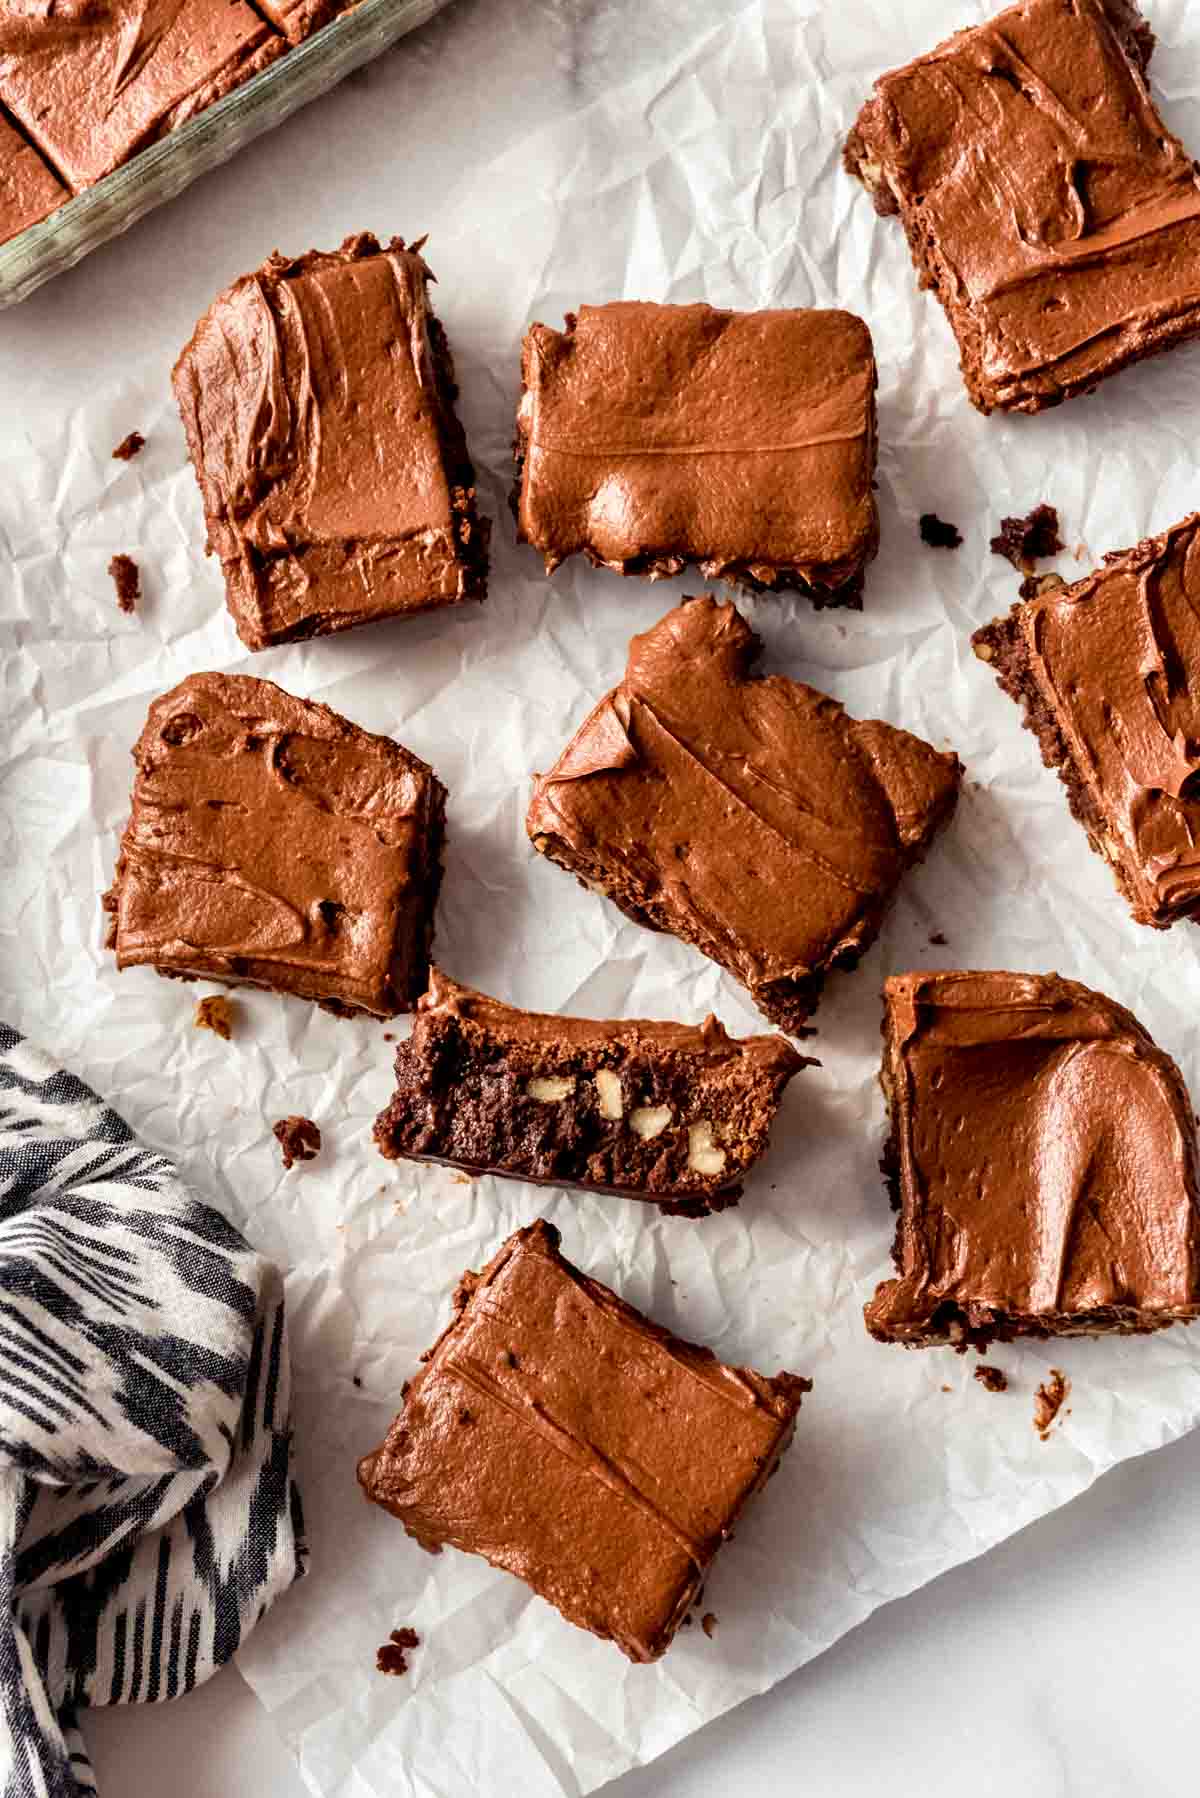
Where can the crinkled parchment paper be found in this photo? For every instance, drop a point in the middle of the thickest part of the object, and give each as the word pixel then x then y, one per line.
pixel 717 177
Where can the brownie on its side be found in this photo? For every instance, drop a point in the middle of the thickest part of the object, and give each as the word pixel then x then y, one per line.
pixel 318 399
pixel 666 1112
pixel 1108 671
pixel 565 1438
pixel 29 188
pixel 273 843
pixel 1046 203
pixel 650 437
pixel 93 84
pixel 750 817
pixel 1043 1159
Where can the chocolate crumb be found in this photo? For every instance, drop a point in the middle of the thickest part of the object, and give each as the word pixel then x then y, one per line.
pixel 938 938
pixel 299 1138
pixel 937 533
pixel 355 1380
pixel 215 1013
pixel 1026 540
pixel 993 1378
pixel 125 578
pixel 708 1623
pixel 129 447
pixel 1047 1401
pixel 388 1037
pixel 390 1657
pixel 687 1622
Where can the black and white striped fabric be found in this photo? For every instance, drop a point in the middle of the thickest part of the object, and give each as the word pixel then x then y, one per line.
pixel 148 1515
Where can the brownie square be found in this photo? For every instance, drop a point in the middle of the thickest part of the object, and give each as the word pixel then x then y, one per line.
pixel 92 90
pixel 674 1114
pixel 1045 201
pixel 749 816
pixel 1043 1160
pixel 650 437
pixel 1108 671
pixel 318 399
pixel 273 843
pixel 29 188
pixel 564 1437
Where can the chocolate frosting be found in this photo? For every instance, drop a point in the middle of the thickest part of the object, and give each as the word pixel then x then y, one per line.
pixel 752 817
pixel 1116 659
pixel 653 436
pixel 324 441
pixel 1056 215
pixel 565 1438
pixel 1047 1163
pixel 29 190
pixel 92 81
pixel 541 1030
pixel 272 842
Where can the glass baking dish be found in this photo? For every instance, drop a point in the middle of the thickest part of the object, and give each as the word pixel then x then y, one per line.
pixel 164 169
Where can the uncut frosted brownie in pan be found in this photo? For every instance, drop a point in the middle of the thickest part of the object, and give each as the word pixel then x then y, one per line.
pixel 273 843
pixel 1107 670
pixel 318 399
pixel 1042 1160
pixel 1045 201
pixel 749 816
pixel 674 1114
pixel 564 1437
pixel 650 437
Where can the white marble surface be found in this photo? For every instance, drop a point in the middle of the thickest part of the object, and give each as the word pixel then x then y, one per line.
pixel 1061 1664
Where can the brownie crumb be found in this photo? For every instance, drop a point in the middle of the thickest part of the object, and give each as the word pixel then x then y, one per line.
pixel 129 447
pixel 687 1622
pixel 391 1657
pixel 937 938
pixel 299 1138
pixel 993 1378
pixel 708 1623
pixel 1047 1401
pixel 1026 540
pixel 215 1013
pixel 125 578
pixel 937 533
pixel 355 1381
pixel 388 1037
pixel 947 1389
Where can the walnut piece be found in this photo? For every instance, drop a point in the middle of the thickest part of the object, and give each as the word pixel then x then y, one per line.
pixel 704 1156
pixel 608 1090
pixel 550 1087
pixel 649 1121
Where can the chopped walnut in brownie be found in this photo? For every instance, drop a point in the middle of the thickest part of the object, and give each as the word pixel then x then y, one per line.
pixel 299 1138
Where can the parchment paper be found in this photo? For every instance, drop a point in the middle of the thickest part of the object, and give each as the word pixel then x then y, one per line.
pixel 716 175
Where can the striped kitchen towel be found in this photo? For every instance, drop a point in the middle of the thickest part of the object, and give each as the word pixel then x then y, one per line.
pixel 148 1515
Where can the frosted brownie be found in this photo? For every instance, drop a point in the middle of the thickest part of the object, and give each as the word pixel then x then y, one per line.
pixel 318 399
pixel 1108 673
pixel 29 188
pixel 564 1437
pixel 672 1113
pixel 751 817
pixel 90 85
pixel 1045 201
pixel 650 437
pixel 1043 1161
pixel 273 843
